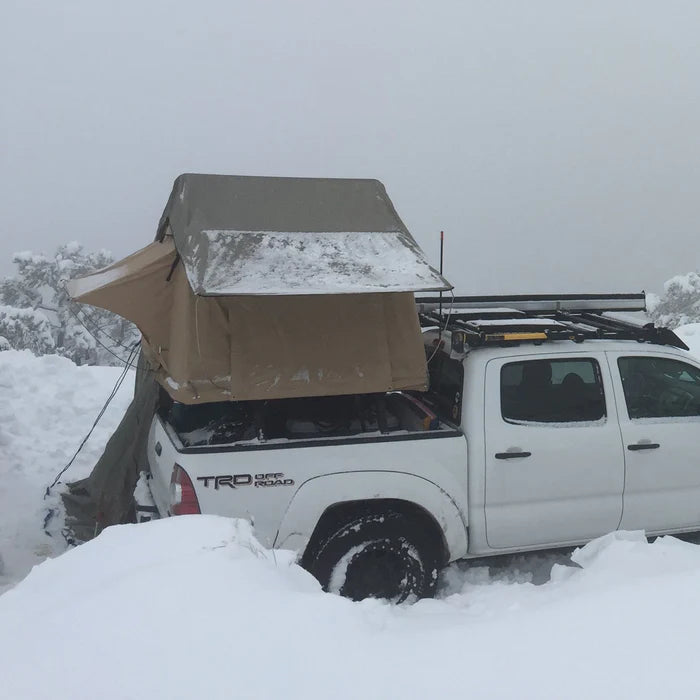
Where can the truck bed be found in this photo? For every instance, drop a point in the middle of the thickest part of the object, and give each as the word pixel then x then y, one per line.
pixel 244 425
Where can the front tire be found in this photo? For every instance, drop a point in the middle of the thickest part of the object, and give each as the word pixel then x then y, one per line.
pixel 377 556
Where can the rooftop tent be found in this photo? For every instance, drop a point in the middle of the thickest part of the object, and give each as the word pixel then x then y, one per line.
pixel 261 288
pixel 276 235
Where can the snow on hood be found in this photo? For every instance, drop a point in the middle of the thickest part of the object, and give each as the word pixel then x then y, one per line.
pixel 195 607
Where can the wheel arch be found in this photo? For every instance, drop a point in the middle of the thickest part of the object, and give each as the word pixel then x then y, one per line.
pixel 323 501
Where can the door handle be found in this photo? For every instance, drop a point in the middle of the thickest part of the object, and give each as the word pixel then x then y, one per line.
pixel 644 446
pixel 512 455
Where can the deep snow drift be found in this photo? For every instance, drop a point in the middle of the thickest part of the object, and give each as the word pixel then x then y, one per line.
pixel 48 405
pixel 194 607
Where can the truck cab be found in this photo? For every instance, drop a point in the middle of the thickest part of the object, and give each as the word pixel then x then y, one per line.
pixel 577 441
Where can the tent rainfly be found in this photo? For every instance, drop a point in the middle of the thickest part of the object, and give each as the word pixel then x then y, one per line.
pixel 268 288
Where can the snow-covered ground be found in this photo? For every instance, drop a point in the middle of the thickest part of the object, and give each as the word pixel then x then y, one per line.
pixel 195 607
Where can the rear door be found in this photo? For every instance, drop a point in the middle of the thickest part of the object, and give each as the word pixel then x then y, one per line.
pixel 554 459
pixel 659 411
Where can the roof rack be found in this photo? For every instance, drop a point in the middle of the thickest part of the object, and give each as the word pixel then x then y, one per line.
pixel 503 320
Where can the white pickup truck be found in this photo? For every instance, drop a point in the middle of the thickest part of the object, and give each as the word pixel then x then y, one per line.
pixel 538 431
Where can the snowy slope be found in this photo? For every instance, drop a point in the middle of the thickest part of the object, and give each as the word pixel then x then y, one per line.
pixel 194 607
pixel 690 335
pixel 48 405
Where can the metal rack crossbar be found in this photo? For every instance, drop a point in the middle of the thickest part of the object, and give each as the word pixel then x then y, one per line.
pixel 477 321
pixel 541 303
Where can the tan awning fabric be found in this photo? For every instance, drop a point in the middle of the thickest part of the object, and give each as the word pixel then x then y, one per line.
pixel 259 347
pixel 135 288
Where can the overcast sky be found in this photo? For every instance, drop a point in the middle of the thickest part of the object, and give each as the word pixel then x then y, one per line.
pixel 556 142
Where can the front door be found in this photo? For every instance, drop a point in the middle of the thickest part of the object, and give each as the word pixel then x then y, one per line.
pixel 554 459
pixel 659 410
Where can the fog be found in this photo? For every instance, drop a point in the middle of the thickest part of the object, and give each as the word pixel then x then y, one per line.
pixel 555 143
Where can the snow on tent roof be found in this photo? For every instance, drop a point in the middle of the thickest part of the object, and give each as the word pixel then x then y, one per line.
pixel 239 235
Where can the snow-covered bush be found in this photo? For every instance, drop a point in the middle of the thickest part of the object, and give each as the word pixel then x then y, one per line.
pixel 25 329
pixel 680 303
pixel 37 314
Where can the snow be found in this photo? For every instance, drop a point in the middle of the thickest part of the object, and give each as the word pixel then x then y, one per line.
pixel 652 302
pixel 683 283
pixel 302 375
pixel 690 335
pixel 27 256
pixel 195 607
pixel 16 319
pixel 340 571
pixel 142 492
pixel 48 405
pixel 172 383
pixel 197 438
pixel 274 262
pixel 82 285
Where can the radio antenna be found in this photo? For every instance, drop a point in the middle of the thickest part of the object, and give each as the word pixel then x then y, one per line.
pixel 442 250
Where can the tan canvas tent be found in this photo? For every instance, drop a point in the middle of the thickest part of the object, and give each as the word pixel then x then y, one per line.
pixel 262 288
pixel 257 288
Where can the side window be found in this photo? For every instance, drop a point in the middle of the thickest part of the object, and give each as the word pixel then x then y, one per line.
pixel 657 387
pixel 552 391
pixel 446 386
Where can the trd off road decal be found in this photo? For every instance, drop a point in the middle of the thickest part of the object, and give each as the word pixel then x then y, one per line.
pixel 234 480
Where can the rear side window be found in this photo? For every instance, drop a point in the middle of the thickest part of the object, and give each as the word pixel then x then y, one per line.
pixel 552 391
pixel 657 387
pixel 446 383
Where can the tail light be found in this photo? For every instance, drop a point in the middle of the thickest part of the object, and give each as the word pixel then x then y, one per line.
pixel 183 499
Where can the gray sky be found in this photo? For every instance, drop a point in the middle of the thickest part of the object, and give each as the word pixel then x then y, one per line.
pixel 556 142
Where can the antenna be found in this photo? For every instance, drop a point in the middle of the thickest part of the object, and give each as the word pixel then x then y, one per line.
pixel 442 250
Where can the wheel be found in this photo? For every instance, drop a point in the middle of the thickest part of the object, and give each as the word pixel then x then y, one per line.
pixel 377 556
